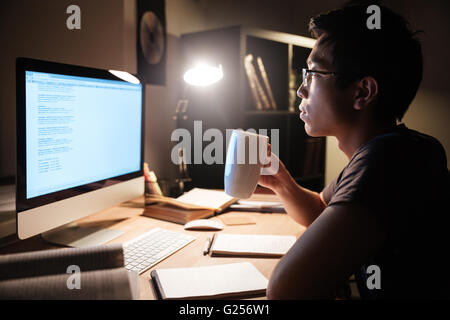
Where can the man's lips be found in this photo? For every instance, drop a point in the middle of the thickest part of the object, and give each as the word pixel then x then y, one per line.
pixel 303 113
pixel 302 110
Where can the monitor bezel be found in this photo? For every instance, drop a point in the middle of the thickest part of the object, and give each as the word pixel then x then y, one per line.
pixel 27 64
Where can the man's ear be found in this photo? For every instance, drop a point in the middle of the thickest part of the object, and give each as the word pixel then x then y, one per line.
pixel 366 92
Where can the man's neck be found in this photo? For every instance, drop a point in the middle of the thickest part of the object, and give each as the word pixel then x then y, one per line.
pixel 350 140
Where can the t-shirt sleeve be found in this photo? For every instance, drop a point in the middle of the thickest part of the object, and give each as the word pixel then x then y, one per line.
pixel 371 179
pixel 353 183
pixel 328 191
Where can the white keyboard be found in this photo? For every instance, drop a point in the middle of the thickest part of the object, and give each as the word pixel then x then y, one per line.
pixel 146 250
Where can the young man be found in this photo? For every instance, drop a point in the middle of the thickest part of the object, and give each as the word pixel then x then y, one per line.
pixel 387 208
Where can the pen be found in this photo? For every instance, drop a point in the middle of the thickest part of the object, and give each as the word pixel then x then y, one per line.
pixel 206 248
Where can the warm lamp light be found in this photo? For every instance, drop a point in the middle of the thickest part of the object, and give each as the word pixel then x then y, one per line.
pixel 203 75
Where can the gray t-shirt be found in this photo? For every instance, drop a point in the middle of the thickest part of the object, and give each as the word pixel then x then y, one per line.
pixel 402 179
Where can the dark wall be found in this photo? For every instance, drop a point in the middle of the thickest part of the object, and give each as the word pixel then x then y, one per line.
pixel 37 29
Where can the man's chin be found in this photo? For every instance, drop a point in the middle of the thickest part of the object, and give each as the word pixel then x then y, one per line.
pixel 313 132
pixel 309 130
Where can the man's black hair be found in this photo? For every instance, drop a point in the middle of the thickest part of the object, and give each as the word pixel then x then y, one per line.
pixel 392 55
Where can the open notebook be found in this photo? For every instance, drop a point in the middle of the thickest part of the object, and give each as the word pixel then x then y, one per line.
pixel 264 245
pixel 199 199
pixel 210 282
pixel 194 204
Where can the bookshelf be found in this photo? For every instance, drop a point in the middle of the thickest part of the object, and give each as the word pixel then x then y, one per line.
pixel 230 103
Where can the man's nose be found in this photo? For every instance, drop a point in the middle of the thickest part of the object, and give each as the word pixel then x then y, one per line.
pixel 301 92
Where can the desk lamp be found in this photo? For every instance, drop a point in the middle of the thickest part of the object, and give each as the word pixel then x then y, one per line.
pixel 201 75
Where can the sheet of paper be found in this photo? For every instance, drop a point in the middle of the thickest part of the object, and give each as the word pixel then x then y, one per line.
pixel 252 244
pixel 215 281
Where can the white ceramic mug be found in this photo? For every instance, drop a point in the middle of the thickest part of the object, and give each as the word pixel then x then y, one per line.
pixel 246 155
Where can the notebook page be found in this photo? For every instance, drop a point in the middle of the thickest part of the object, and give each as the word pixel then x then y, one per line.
pixel 225 280
pixel 205 198
pixel 252 244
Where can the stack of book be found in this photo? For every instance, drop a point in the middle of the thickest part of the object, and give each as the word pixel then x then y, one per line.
pixel 66 274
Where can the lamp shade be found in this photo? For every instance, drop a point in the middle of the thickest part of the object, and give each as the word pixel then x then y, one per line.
pixel 203 75
pixel 125 76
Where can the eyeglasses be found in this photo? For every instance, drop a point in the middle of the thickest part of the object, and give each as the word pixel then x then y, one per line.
pixel 307 72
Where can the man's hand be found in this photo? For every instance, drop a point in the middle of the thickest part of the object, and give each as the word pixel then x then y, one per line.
pixel 301 204
pixel 279 179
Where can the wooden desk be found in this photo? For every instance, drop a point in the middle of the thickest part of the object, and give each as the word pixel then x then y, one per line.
pixel 127 217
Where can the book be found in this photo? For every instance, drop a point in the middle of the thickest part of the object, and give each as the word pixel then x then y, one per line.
pixel 262 245
pixel 175 214
pixel 195 204
pixel 209 282
pixel 251 82
pixel 258 206
pixel 71 273
pixel 255 84
pixel 207 199
pixel 263 72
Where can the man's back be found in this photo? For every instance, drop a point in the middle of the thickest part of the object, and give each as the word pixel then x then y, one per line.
pixel 402 178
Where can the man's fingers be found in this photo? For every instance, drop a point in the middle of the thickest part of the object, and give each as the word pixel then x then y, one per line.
pixel 269 156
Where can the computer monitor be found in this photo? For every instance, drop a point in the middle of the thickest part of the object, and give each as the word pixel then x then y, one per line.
pixel 79 148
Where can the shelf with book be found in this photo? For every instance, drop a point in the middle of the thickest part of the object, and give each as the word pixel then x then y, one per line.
pixel 267 59
pixel 262 72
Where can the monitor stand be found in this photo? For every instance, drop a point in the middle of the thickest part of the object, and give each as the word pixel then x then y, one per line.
pixel 73 235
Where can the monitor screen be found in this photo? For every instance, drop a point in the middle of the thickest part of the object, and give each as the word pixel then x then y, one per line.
pixel 79 130
pixel 79 142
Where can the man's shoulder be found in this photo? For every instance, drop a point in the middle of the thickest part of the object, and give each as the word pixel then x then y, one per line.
pixel 398 161
pixel 402 145
pixel 390 164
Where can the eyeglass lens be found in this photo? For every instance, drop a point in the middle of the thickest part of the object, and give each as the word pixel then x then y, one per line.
pixel 305 77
